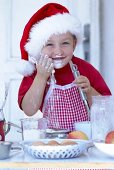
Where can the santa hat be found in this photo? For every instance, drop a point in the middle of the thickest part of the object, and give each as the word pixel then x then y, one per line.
pixel 51 19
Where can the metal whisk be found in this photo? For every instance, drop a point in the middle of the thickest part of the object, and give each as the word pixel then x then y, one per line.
pixel 76 74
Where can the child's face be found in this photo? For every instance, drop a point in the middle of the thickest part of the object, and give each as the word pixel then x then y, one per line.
pixel 60 48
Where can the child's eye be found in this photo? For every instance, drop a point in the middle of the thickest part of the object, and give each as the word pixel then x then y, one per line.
pixel 49 44
pixel 65 43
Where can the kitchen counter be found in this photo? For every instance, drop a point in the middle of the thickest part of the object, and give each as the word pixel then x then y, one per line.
pixel 90 159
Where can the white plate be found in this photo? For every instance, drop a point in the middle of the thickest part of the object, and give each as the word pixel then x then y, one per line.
pixel 56 152
pixel 105 148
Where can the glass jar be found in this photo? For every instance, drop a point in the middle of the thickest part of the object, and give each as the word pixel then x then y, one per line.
pixel 101 116
pixel 33 129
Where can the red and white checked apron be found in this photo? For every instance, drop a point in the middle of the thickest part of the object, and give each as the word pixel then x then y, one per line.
pixel 63 106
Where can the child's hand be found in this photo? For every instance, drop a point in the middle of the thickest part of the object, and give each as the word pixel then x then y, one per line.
pixel 83 83
pixel 44 66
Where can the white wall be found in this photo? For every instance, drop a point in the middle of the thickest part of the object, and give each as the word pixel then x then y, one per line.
pixel 107 41
pixel 95 35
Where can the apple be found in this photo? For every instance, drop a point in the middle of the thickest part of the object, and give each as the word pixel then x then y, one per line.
pixel 109 137
pixel 77 135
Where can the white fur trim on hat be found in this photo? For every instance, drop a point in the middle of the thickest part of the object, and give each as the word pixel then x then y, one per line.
pixel 56 24
pixel 24 67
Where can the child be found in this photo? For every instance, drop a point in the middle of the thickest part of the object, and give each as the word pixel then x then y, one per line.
pixel 50 80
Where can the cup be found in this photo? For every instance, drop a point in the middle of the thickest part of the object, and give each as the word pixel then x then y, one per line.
pixel 84 126
pixel 5 148
pixel 33 129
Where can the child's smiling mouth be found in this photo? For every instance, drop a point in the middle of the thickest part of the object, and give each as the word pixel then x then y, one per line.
pixel 58 62
pixel 58 58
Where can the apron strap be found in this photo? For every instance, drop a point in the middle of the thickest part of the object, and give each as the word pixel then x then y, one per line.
pixel 52 79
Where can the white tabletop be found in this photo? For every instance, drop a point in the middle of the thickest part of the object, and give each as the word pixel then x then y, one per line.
pixel 93 158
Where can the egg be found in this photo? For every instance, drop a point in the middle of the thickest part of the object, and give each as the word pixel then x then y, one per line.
pixel 39 143
pixel 53 143
pixel 68 142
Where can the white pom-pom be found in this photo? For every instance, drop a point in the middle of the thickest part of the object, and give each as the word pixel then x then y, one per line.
pixel 24 67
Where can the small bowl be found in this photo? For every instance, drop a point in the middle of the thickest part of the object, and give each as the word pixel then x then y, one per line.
pixel 5 148
pixel 105 148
